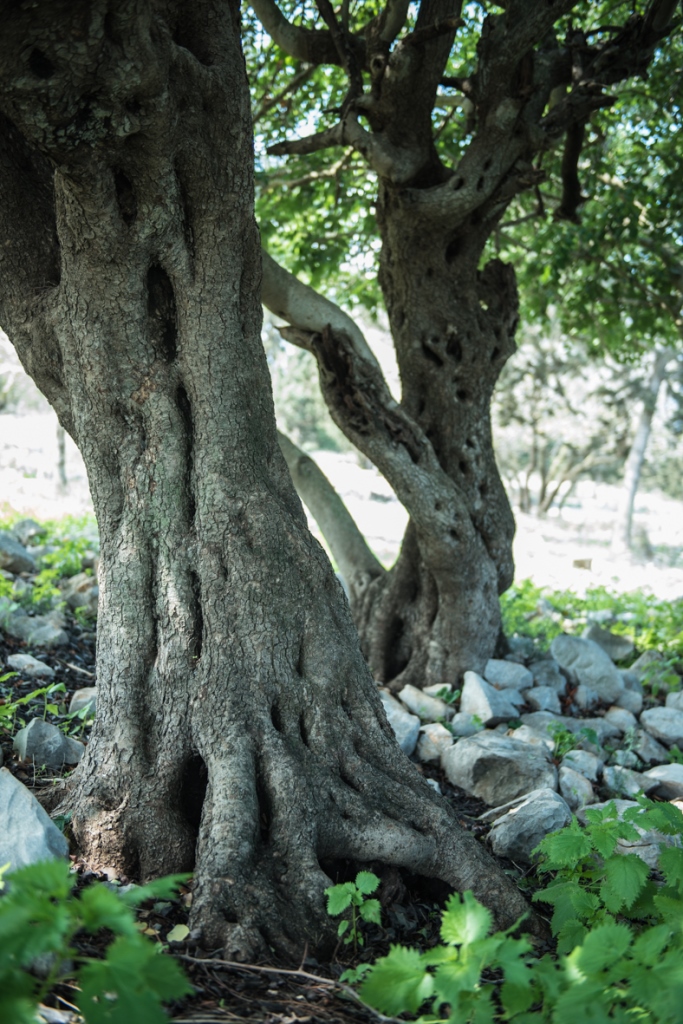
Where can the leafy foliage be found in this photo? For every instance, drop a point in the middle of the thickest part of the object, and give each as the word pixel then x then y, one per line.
pixel 353 896
pixel 40 916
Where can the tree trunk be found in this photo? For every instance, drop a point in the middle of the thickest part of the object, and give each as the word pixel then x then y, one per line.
pixel 239 733
pixel 621 538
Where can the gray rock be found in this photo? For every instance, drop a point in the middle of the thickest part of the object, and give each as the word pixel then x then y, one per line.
pixel 429 709
pixel 27 530
pixel 665 724
pixel 406 726
pixel 630 700
pixel 81 591
pixel 540 720
pixel 438 690
pixel 85 698
pixel 675 700
pixel 543 698
pixel 435 786
pixel 626 759
pixel 583 762
pixel 547 673
pixel 585 697
pixel 491 706
pixel 647 846
pixel 669 779
pixel 44 744
pixel 433 740
pixel 617 647
pixel 621 719
pixel 522 646
pixel 651 670
pixel 13 556
pixel 463 724
pixel 518 832
pixel 30 666
pixel 537 737
pixel 631 680
pixel 648 749
pixel 575 788
pixel 27 834
pixel 590 664
pixel 496 768
pixel 37 630
pixel 624 782
pixel 507 674
pixel 602 728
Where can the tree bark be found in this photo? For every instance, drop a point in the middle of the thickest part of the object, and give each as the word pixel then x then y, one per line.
pixel 621 538
pixel 239 733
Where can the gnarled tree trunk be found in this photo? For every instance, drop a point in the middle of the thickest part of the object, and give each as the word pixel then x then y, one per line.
pixel 239 731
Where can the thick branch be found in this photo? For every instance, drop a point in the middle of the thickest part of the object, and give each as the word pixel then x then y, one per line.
pixel 315 46
pixel 347 544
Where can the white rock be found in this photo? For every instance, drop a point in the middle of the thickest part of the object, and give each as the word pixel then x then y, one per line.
pixel 463 724
pixel 543 698
pixel 406 726
pixel 522 828
pixel 37 630
pixel 624 782
pixel 585 697
pixel 30 666
pixel 537 737
pixel 85 698
pixel 27 834
pixel 433 740
pixel 631 700
pixel 675 700
pixel 13 556
pixel 496 768
pixel 435 785
pixel 507 674
pixel 616 646
pixel 584 762
pixel 621 719
pixel 669 779
pixel 81 591
pixel 547 673
pixel 603 729
pixel 429 709
pixel 437 689
pixel 45 744
pixel 590 664
pixel 491 706
pixel 631 680
pixel 648 749
pixel 542 720
pixel 650 669
pixel 575 788
pixel 665 724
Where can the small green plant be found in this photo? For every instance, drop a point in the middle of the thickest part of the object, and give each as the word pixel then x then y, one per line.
pixel 448 696
pixel 8 711
pixel 40 916
pixel 353 896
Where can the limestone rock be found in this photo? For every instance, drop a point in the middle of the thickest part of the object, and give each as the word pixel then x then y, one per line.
pixel 507 674
pixel 406 726
pixel 433 740
pixel 27 530
pixel 13 556
pixel 537 737
pixel 29 666
pixel 27 833
pixel 496 768
pixel 585 697
pixel 648 749
pixel 575 788
pixel 520 831
pixel 36 630
pixel 547 673
pixel 669 779
pixel 651 670
pixel 44 744
pixel 491 706
pixel 624 782
pixel 630 700
pixel 81 591
pixel 602 728
pixel 617 647
pixel 665 724
pixel 620 718
pixel 647 846
pixel 462 724
pixel 584 762
pixel 429 709
pixel 85 698
pixel 675 700
pixel 438 690
pixel 543 698
pixel 590 664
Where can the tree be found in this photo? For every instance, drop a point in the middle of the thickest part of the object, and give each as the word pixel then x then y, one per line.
pixel 529 76
pixel 239 732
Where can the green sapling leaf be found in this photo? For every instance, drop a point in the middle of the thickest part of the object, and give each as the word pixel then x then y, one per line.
pixel 464 920
pixel 339 898
pixel 371 911
pixel 625 877
pixel 398 982
pixel 366 882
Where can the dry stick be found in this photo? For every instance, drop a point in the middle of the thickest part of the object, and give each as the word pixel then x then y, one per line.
pixel 328 982
pixel 76 668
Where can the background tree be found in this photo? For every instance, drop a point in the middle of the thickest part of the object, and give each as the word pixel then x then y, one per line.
pixel 239 732
pixel 449 113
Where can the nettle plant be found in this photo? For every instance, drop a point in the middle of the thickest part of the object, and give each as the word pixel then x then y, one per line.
pixel 620 940
pixel 353 897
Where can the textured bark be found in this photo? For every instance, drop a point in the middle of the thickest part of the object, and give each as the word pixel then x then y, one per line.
pixel 239 732
pixel 436 613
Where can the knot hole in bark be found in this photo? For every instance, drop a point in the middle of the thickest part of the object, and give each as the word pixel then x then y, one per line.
pixel 197 618
pixel 161 309
pixel 193 783
pixel 125 197
pixel 185 409
pixel 40 64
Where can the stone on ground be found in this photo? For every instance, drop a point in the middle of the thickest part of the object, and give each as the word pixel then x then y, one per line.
pixel 462 724
pixel 630 700
pixel 582 761
pixel 497 768
pixel 45 744
pixel 85 698
pixel 37 630
pixel 29 666
pixel 589 664
pixel 665 724
pixel 547 673
pixel 507 674
pixel 543 698
pixel 489 705
pixel 620 718
pixel 617 647
pixel 429 709
pixel 669 779
pixel 575 788
pixel 13 556
pixel 675 700
pixel 406 726
pixel 522 828
pixel 434 739
pixel 625 782
pixel 27 834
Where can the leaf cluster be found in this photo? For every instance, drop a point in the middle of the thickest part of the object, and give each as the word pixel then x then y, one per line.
pixel 352 896
pixel 40 917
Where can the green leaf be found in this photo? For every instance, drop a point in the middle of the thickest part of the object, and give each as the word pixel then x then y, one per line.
pixel 625 876
pixel 651 943
pixel 366 882
pixel 570 935
pixel 102 908
pixel 339 897
pixel 343 926
pixel 398 983
pixel 160 889
pixel 565 847
pixel 464 920
pixel 671 865
pixel 371 911
pixel 601 948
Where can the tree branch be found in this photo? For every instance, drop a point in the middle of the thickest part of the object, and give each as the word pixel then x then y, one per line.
pixel 315 46
pixel 356 562
pixel 295 81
